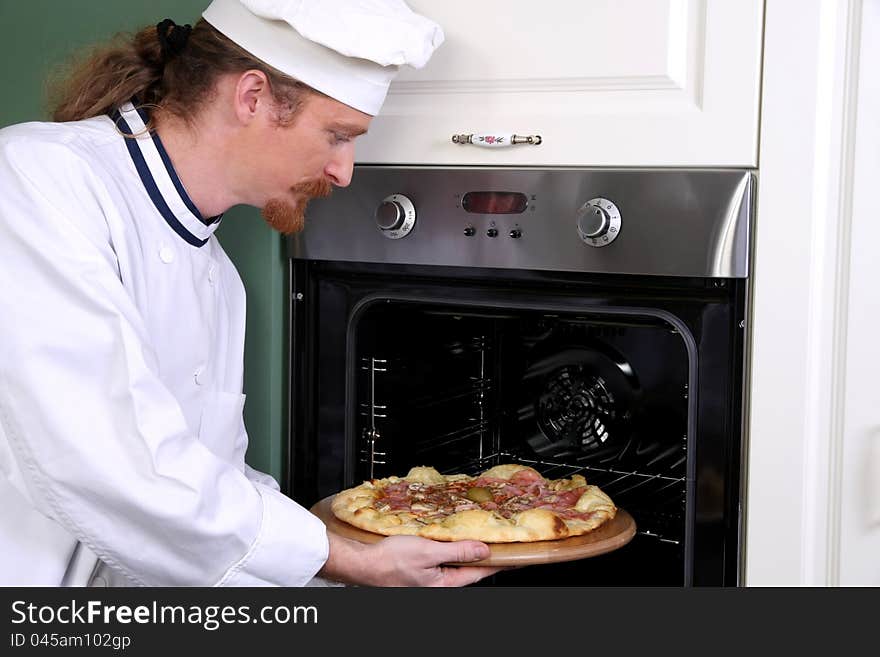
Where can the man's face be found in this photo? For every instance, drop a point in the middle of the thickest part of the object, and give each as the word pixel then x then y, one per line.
pixel 294 163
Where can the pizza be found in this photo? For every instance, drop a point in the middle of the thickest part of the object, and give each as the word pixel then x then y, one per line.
pixel 505 504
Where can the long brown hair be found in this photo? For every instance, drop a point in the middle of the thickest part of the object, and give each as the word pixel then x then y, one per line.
pixel 132 66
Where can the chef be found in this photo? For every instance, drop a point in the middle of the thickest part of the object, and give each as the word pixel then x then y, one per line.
pixel 122 320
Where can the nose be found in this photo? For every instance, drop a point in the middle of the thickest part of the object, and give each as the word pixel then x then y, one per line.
pixel 340 167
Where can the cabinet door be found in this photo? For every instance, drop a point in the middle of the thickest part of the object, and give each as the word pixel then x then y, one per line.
pixel 859 496
pixel 859 464
pixel 603 82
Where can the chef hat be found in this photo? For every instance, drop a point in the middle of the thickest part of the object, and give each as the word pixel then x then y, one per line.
pixel 347 49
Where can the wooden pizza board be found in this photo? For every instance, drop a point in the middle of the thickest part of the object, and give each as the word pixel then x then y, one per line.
pixel 612 535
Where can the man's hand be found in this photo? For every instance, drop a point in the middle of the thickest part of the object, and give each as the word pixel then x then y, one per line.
pixel 405 561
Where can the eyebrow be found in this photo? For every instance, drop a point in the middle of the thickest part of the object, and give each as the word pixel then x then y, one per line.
pixel 350 128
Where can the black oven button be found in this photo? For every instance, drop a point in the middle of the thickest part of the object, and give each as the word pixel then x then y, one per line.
pixel 492 232
pixel 470 231
pixel 516 233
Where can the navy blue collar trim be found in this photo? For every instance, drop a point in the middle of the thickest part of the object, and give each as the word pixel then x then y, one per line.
pixel 150 184
pixel 173 174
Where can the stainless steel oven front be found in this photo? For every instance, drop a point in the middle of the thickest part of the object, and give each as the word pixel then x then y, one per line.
pixel 577 320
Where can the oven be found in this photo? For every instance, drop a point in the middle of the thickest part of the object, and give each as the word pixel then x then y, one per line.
pixel 575 320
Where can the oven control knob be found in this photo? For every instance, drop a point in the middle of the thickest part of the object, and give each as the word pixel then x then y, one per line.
pixel 395 216
pixel 594 222
pixel 390 215
pixel 598 222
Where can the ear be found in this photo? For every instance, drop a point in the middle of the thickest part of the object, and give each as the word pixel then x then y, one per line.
pixel 251 95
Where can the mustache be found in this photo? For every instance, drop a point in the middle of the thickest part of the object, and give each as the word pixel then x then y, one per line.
pixel 320 188
pixel 288 218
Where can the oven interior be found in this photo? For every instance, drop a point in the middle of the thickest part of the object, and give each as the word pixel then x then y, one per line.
pixel 600 394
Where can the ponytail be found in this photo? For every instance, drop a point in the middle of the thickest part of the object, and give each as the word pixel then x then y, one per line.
pixel 109 77
pixel 138 67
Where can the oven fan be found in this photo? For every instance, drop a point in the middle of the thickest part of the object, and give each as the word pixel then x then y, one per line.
pixel 576 407
pixel 582 399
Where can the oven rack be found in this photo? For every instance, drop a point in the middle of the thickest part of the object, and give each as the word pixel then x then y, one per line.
pixel 476 388
pixel 476 430
pixel 463 352
pixel 378 417
pixel 666 492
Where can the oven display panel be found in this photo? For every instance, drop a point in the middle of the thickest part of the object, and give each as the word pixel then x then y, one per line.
pixel 495 202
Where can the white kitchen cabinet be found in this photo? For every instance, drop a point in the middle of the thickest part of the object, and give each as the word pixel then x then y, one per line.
pixel 813 498
pixel 854 494
pixel 603 82
pixel 857 559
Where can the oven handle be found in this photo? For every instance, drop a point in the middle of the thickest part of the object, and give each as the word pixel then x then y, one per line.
pixel 496 139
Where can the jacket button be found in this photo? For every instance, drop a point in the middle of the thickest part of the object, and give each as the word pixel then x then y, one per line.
pixel 166 255
pixel 199 376
pixel 212 274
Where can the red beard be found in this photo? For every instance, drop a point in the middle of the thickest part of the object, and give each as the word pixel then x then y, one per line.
pixel 288 218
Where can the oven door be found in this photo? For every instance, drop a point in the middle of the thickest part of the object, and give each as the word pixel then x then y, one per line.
pixel 634 383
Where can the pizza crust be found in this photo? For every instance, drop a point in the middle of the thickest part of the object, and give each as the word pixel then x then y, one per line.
pixel 364 507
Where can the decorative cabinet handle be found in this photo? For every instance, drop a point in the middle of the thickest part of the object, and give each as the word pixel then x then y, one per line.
pixel 496 140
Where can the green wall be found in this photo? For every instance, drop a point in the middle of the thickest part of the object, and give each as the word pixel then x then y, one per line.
pixel 37 36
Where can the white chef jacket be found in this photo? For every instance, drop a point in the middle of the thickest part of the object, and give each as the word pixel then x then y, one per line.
pixel 121 367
